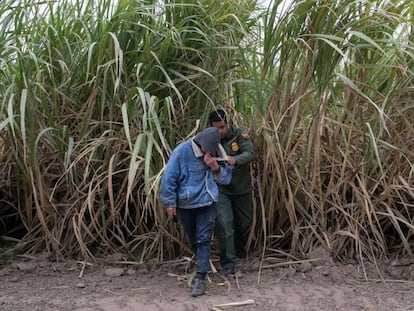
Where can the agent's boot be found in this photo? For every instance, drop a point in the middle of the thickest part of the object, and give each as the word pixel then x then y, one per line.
pixel 227 269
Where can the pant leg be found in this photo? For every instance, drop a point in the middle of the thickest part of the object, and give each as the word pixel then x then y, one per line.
pixel 205 220
pixel 187 218
pixel 224 231
pixel 243 214
pixel 198 224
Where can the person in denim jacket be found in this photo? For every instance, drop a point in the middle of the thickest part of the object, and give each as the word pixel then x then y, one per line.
pixel 189 189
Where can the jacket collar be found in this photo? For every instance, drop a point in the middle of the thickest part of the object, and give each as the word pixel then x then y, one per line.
pixel 196 149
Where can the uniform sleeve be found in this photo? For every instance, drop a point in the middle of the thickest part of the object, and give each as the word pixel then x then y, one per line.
pixel 247 153
pixel 169 182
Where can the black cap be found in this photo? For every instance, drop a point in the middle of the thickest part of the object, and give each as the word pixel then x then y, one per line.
pixel 217 116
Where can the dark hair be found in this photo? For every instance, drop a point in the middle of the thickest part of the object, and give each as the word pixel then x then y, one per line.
pixel 217 116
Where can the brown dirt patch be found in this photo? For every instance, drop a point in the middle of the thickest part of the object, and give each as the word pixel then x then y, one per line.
pixel 42 285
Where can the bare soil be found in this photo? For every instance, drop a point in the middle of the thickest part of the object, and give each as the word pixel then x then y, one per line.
pixel 38 284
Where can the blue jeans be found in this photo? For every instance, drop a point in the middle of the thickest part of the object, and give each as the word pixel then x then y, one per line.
pixel 198 224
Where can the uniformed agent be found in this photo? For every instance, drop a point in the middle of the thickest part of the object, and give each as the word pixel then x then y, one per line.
pixel 234 207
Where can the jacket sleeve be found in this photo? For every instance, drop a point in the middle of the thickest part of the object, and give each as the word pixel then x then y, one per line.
pixel 169 182
pixel 247 153
pixel 223 177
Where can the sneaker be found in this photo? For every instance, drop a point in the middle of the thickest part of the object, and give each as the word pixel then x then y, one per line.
pixel 226 270
pixel 198 288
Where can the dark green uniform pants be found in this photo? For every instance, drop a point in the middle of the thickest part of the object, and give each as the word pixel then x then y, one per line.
pixel 233 219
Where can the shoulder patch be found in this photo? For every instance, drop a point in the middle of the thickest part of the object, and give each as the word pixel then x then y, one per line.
pixel 245 134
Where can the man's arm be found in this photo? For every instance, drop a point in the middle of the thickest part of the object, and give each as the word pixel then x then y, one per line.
pixel 169 182
pixel 247 153
pixel 223 175
pixel 221 172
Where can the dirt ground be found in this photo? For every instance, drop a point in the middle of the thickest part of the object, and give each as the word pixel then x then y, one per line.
pixel 38 284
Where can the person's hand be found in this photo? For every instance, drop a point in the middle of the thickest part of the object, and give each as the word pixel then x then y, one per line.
pixel 171 212
pixel 231 160
pixel 211 162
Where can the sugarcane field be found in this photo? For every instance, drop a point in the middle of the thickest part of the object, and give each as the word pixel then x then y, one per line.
pixel 206 155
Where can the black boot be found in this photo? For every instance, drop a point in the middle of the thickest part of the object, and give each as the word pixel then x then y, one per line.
pixel 227 269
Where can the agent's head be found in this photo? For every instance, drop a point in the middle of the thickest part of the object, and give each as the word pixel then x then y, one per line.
pixel 217 118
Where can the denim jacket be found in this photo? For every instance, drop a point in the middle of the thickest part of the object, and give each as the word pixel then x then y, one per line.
pixel 188 182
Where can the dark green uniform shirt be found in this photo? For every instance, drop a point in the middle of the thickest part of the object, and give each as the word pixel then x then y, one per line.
pixel 238 144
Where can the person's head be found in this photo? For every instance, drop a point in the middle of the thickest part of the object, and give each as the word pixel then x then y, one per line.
pixel 208 140
pixel 217 118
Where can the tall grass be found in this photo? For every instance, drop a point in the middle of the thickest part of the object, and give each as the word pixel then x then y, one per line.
pixel 95 96
pixel 337 144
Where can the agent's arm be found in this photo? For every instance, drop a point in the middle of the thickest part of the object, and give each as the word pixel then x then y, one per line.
pixel 247 153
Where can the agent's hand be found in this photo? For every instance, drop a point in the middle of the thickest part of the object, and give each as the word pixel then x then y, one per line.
pixel 231 160
pixel 211 162
pixel 171 212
